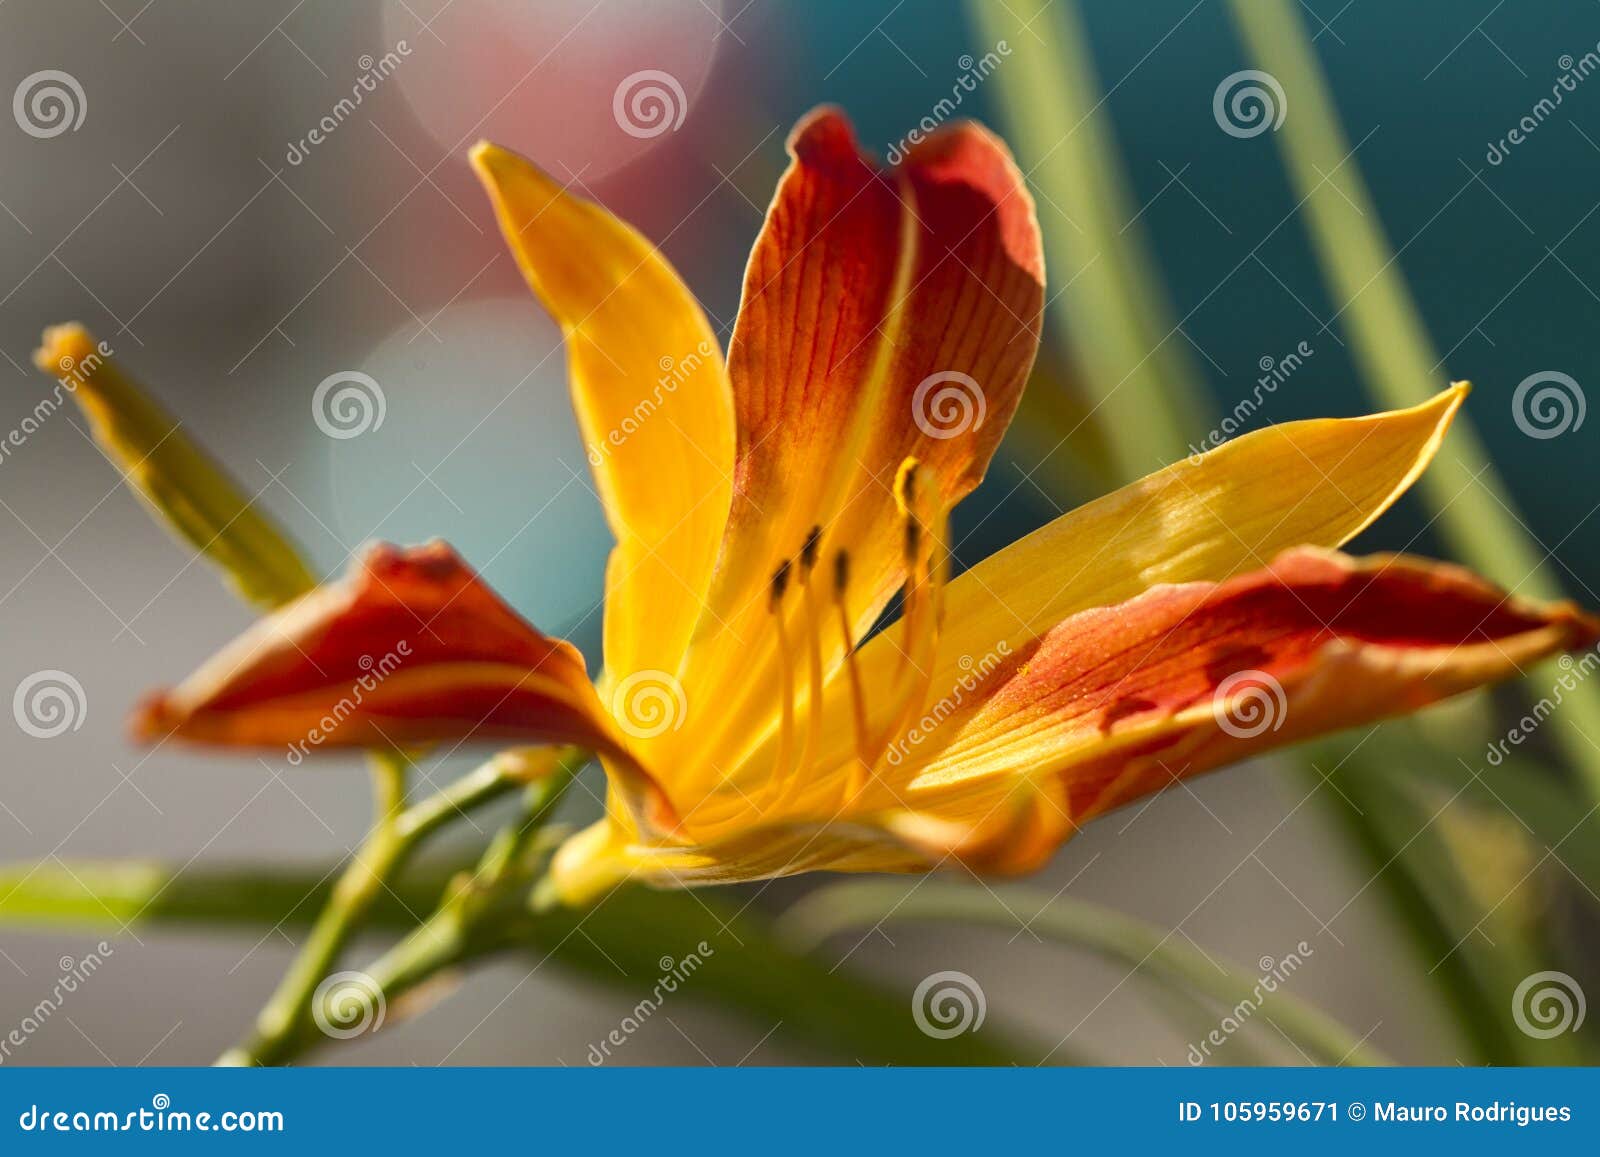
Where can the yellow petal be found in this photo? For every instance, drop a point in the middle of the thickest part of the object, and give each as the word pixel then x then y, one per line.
pixel 1184 678
pixel 887 313
pixel 603 855
pixel 1316 483
pixel 1205 519
pixel 184 487
pixel 652 399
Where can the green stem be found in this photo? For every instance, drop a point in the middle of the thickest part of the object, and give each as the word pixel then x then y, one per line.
pixel 448 936
pixel 396 833
pixel 1476 1014
pixel 287 1028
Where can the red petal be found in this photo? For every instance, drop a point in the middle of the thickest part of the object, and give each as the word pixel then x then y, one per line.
pixel 1122 700
pixel 410 646
pixel 865 283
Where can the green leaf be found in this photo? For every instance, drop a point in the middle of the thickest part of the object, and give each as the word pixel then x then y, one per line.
pixel 1117 937
pixel 1457 885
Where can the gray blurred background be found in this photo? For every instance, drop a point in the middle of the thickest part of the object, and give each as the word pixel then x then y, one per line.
pixel 176 223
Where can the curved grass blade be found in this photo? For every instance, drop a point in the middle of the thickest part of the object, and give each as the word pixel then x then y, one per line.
pixel 1106 933
pixel 1401 366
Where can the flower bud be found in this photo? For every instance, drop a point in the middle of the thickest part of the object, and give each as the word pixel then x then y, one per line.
pixel 183 485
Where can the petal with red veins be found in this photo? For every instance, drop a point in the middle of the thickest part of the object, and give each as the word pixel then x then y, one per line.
pixel 1118 702
pixel 410 647
pixel 887 313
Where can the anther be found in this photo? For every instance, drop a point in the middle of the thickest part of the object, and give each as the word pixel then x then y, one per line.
pixel 812 741
pixel 905 484
pixel 841 573
pixel 808 552
pixel 780 582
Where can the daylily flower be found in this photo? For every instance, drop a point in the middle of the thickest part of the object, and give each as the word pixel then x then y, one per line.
pixel 767 511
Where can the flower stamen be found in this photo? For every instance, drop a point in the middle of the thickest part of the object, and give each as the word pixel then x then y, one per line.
pixel 858 700
pixel 922 613
pixel 780 584
pixel 813 627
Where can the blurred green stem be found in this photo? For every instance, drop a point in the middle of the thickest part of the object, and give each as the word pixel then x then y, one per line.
pixel 1110 303
pixel 869 903
pixel 617 945
pixel 450 935
pixel 1472 506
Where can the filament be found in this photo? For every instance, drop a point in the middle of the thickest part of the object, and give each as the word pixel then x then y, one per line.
pixel 780 583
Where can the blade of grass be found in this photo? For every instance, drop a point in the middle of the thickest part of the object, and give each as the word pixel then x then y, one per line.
pixel 1108 302
pixel 1110 934
pixel 1048 93
pixel 1473 508
pixel 1471 957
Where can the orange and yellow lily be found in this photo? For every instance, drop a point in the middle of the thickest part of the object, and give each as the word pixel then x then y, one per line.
pixel 767 510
